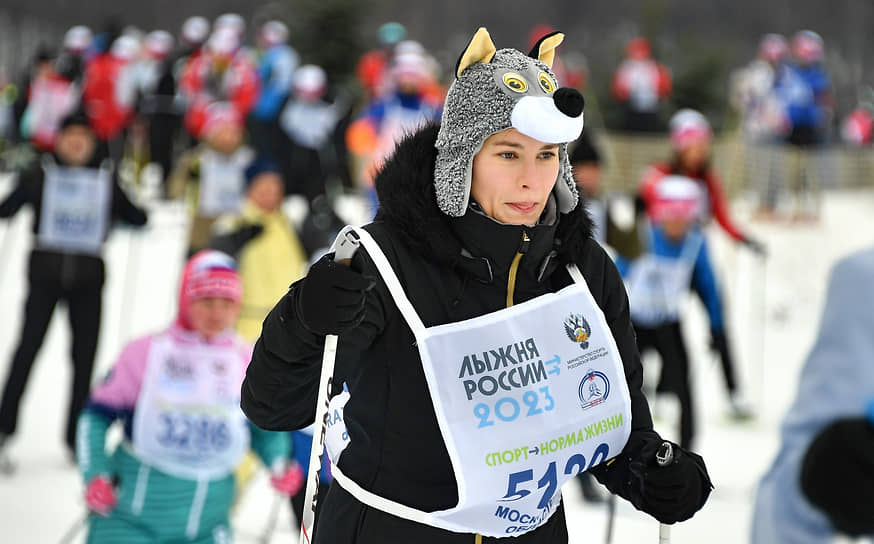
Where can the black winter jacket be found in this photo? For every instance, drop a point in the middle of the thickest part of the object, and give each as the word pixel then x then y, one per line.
pixel 451 269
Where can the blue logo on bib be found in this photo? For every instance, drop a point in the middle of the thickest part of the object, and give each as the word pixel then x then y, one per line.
pixel 594 389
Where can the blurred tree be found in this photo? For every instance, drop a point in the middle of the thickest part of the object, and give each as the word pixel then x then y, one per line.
pixel 328 33
pixel 701 84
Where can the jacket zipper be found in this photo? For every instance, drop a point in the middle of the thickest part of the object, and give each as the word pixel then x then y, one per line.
pixel 514 267
pixel 511 288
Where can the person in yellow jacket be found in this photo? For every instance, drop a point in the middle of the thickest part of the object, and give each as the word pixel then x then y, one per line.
pixel 269 256
pixel 269 253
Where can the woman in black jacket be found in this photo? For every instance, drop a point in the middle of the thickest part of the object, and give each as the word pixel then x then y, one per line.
pixel 75 196
pixel 454 431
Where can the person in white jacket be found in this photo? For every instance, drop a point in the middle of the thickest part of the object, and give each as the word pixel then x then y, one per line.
pixel 822 482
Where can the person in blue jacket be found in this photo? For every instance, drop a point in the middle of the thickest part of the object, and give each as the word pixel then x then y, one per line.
pixel 276 67
pixel 803 86
pixel 658 282
pixel 822 480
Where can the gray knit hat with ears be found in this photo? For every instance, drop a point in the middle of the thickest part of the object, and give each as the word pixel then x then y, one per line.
pixel 497 90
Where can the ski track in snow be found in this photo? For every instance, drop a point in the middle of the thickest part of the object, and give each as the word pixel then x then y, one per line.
pixel 43 498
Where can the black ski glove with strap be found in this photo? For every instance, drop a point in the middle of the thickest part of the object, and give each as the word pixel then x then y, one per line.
pixel 669 493
pixel 331 299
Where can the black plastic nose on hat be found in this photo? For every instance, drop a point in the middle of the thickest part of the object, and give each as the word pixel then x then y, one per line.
pixel 569 101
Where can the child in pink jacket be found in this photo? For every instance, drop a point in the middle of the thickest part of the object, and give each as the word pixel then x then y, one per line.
pixel 177 393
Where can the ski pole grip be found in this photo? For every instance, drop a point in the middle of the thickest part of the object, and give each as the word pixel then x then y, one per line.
pixel 665 454
pixel 346 245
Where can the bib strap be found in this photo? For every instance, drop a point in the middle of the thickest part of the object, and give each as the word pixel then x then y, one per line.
pixel 390 278
pixel 575 273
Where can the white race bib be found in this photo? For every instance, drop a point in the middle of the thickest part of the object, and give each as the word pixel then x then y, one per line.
pixel 526 398
pixel 188 421
pixel 75 208
pixel 222 180
pixel 658 285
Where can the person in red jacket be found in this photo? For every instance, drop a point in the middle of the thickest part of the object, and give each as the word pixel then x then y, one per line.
pixel 50 98
pixel 691 142
pixel 222 73
pixel 373 65
pixel 108 94
pixel 639 85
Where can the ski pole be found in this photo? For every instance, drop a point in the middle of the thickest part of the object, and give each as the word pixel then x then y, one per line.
pixel 74 529
pixel 344 248
pixel 131 277
pixel 611 515
pixel 6 243
pixel 760 360
pixel 664 457
pixel 271 522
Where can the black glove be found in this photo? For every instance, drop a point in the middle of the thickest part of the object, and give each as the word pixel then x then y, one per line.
pixel 639 205
pixel 233 242
pixel 719 344
pixel 250 231
pixel 837 475
pixel 674 492
pixel 330 300
pixel 755 246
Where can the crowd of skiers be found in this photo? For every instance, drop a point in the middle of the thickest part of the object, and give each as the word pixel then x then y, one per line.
pixel 233 130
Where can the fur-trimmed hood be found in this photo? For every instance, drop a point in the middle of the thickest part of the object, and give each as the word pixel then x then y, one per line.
pixel 408 203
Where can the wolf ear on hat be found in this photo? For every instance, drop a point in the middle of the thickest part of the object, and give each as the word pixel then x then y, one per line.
pixel 480 49
pixel 544 49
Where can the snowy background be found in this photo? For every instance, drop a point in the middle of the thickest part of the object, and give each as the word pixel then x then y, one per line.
pixel 774 309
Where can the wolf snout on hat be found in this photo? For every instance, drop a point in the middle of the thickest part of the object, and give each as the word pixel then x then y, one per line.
pixel 497 90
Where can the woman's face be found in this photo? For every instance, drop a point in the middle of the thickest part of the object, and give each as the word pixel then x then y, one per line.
pixel 75 145
pixel 513 176
pixel 693 157
pixel 213 315
pixel 266 191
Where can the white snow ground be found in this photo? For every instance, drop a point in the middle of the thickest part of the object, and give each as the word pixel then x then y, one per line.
pixel 773 322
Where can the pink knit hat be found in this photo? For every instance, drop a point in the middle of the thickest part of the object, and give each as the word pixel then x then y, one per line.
pixel 688 127
pixel 207 274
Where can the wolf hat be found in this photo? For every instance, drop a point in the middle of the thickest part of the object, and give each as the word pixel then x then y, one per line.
pixel 497 90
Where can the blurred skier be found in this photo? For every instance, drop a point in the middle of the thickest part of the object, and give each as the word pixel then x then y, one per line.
pixel 50 97
pixel 77 44
pixel 276 71
pixel 675 259
pixel 178 394
pixel 585 160
pixel 691 142
pixel 764 120
pixel 373 136
pixel 212 175
pixel 805 89
pixel 156 90
pixel 309 123
pixel 109 94
pixel 74 196
pixel 373 65
pixel 260 237
pixel 639 85
pixel 223 73
pixel 822 481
